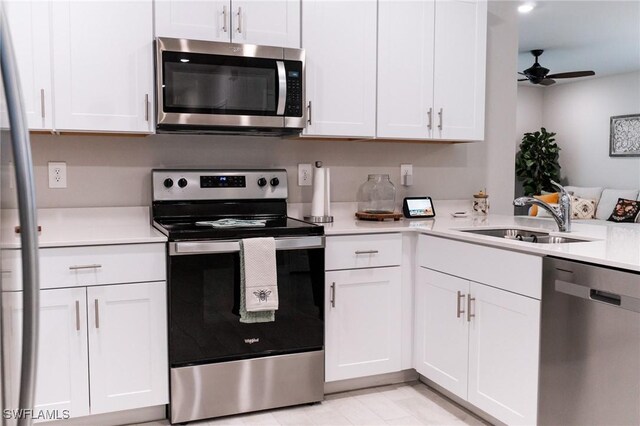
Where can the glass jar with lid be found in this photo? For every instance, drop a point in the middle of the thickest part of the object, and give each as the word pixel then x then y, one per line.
pixel 377 195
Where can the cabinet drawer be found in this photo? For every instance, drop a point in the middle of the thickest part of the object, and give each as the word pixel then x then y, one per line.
pixel 90 265
pixel 363 251
pixel 516 272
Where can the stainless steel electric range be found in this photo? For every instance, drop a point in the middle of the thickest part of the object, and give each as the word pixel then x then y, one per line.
pixel 220 366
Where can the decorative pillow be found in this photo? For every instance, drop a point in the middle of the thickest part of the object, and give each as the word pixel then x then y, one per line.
pixel 609 199
pixel 625 211
pixel 583 208
pixel 547 198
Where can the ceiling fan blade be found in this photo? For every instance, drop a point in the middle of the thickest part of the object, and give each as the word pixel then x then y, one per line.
pixel 572 74
pixel 523 79
pixel 547 82
pixel 521 73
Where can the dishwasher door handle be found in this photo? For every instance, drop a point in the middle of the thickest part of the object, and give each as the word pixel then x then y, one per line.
pixel 612 299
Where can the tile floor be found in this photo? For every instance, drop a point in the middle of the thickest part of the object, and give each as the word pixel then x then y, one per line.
pixel 404 404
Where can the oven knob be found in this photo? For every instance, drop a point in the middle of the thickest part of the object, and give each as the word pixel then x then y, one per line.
pixel 168 183
pixel 262 182
pixel 275 182
pixel 182 182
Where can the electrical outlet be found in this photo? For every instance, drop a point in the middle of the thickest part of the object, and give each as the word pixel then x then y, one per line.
pixel 304 174
pixel 406 174
pixel 57 174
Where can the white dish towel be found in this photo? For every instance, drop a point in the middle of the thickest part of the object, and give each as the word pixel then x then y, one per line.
pixel 259 273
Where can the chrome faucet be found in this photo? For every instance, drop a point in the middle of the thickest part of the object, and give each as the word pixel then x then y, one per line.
pixel 561 214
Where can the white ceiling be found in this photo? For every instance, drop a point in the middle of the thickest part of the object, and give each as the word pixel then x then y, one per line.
pixel 603 36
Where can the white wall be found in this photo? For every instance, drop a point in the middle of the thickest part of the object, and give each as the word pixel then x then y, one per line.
pixel 579 113
pixel 115 171
pixel 529 111
pixel 500 127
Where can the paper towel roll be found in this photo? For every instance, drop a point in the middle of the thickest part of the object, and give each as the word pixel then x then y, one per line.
pixel 317 202
pixel 327 189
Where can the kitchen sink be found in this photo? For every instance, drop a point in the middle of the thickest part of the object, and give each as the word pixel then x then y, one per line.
pixel 536 237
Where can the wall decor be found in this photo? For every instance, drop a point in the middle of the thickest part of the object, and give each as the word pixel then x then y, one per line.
pixel 624 138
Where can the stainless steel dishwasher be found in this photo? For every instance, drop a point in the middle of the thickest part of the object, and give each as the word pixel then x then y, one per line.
pixel 590 345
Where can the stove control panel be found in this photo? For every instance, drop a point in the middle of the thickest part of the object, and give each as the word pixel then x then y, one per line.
pixel 189 184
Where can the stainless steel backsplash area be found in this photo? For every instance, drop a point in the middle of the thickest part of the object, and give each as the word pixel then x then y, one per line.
pixel 116 170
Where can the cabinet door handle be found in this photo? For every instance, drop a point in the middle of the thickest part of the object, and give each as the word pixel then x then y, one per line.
pixel 333 295
pixel 97 309
pixel 224 19
pixel 146 107
pixel 239 14
pixel 92 266
pixel 309 116
pixel 470 300
pixel 430 115
pixel 77 315
pixel 440 114
pixel 42 103
pixel 366 252
pixel 460 312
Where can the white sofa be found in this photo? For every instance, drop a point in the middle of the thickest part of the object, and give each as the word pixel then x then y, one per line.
pixel 606 198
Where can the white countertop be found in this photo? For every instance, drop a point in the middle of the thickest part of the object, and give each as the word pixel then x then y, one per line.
pixel 64 227
pixel 610 244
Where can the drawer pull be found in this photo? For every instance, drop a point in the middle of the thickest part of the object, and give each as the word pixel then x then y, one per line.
pixel 459 311
pixel 76 267
pixel 470 300
pixel 366 251
pixel 97 309
pixel 333 295
pixel 77 315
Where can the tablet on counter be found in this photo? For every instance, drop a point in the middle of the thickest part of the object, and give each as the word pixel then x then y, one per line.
pixel 418 207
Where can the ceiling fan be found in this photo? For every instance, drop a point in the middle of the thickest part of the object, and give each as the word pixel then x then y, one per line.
pixel 537 74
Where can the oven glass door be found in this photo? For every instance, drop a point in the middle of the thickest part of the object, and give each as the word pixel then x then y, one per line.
pixel 204 297
pixel 195 83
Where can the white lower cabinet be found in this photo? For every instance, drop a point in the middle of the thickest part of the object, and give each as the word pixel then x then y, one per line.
pixel 363 322
pixel 127 346
pixel 63 365
pixel 480 343
pixel 110 357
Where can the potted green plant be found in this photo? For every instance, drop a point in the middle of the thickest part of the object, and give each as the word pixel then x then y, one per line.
pixel 537 162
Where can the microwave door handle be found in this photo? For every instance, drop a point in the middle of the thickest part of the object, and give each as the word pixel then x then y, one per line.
pixel 282 88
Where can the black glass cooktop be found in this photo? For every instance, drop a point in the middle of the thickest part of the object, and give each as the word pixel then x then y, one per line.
pixel 187 230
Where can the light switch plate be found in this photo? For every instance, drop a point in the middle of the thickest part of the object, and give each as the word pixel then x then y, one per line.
pixel 57 174
pixel 305 175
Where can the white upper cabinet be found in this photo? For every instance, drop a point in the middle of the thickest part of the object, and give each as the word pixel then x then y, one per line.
pixel 196 20
pixel 339 38
pixel 102 65
pixel 30 31
pixel 431 69
pixel 459 71
pixel 405 69
pixel 263 22
pixel 270 23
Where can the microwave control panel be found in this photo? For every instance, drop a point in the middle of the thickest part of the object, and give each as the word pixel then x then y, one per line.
pixel 293 106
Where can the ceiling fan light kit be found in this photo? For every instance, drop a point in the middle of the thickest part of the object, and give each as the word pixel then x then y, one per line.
pixel 537 74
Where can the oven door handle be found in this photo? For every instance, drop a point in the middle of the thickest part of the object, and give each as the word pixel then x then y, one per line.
pixel 282 88
pixel 233 246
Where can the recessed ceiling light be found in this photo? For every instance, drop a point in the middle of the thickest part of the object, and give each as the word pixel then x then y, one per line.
pixel 526 8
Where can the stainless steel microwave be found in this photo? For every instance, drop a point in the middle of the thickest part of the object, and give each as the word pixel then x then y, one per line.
pixel 212 87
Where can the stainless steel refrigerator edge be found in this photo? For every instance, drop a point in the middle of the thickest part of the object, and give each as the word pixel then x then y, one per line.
pixel 14 127
pixel 590 345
